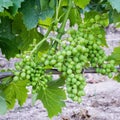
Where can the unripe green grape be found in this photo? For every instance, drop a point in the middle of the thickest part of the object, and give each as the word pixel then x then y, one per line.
pixel 100 36
pixel 74 51
pixel 33 83
pixel 28 77
pixel 81 93
pixel 60 58
pixel 92 20
pixel 69 71
pixel 108 70
pixel 69 89
pixel 16 73
pixel 97 17
pixel 74 80
pixel 78 66
pixel 78 83
pixel 75 98
pixel 95 46
pixel 90 37
pixel 16 78
pixel 76 59
pixel 103 71
pixel 74 86
pixel 70 39
pixel 79 100
pixel 68 53
pixel 74 91
pixel 47 62
pixel 17 67
pixel 110 75
pixel 23 75
pixel 52 62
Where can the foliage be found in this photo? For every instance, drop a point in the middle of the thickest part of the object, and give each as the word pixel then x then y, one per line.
pixel 52 99
pixel 19 34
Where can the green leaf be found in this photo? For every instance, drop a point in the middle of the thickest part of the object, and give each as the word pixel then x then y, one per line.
pixel 74 16
pixel 81 3
pixel 7 38
pixel 3 106
pixel 44 4
pixel 45 23
pixel 25 37
pixel 16 5
pixel 52 99
pixel 52 3
pixel 64 3
pixel 115 4
pixel 117 77
pixel 5 4
pixel 32 12
pixel 115 16
pixel 57 83
pixel 6 14
pixel 16 90
pixel 115 55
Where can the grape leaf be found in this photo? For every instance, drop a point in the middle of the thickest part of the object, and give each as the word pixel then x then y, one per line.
pixel 115 4
pixel 74 16
pixel 5 4
pixel 59 82
pixel 64 3
pixel 115 16
pixel 15 90
pixel 32 12
pixel 6 14
pixel 52 3
pixel 44 4
pixel 117 77
pixel 52 99
pixel 16 5
pixel 25 37
pixel 82 3
pixel 3 106
pixel 7 38
pixel 45 23
pixel 115 55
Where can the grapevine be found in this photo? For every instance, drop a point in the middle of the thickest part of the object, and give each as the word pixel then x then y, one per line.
pixel 69 51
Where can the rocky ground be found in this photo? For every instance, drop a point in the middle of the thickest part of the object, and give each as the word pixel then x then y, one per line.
pixel 102 100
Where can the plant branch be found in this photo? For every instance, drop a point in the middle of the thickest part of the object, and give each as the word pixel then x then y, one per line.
pixel 61 30
pixel 54 71
pixel 38 46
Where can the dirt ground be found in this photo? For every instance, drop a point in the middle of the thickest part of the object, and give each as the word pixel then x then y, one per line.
pixel 102 100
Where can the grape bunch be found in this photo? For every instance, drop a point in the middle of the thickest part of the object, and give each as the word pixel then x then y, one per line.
pixel 95 37
pixel 82 49
pixel 28 69
pixel 70 61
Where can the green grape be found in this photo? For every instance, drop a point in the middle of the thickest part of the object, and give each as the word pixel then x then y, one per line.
pixel 23 75
pixel 97 17
pixel 110 75
pixel 69 71
pixel 92 20
pixel 16 78
pixel 52 62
